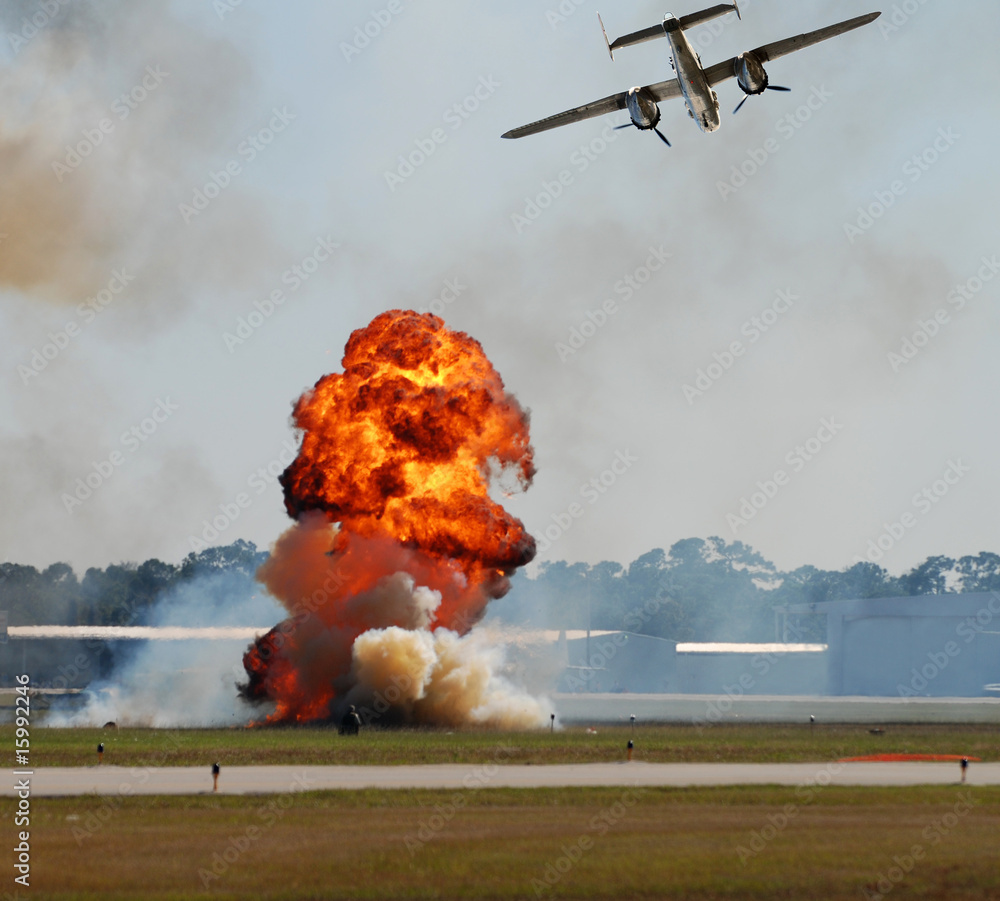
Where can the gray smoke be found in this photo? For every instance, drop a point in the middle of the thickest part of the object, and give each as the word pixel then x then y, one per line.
pixel 107 110
pixel 113 114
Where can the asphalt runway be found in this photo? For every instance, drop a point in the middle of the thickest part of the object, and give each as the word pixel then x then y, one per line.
pixel 242 780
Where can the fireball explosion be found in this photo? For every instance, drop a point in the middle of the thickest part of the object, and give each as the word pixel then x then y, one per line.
pixel 397 546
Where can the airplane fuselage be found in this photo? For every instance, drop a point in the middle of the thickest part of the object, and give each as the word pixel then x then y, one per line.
pixel 702 102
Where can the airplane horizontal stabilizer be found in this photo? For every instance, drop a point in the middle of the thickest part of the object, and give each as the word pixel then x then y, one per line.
pixel 658 31
pixel 692 19
pixel 638 37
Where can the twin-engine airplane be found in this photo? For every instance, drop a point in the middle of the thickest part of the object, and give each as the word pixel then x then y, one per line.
pixel 692 82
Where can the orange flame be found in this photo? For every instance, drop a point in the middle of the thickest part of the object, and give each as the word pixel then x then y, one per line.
pixel 400 451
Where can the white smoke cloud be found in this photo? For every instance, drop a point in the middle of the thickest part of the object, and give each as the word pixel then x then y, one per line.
pixel 176 683
pixel 443 678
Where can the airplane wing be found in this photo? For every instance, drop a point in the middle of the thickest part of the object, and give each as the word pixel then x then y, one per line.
pixel 661 91
pixel 790 45
pixel 577 114
pixel 721 71
pixel 664 90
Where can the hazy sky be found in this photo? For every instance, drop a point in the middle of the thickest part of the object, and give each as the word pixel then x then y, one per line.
pixel 225 144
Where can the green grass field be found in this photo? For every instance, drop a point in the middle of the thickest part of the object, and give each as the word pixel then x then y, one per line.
pixel 610 843
pixel 656 743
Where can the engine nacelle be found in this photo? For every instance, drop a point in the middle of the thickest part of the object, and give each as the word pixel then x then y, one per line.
pixel 750 73
pixel 642 108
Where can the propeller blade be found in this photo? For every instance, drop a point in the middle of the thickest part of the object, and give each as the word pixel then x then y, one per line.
pixel 777 87
pixel 626 125
pixel 738 108
pixel 662 137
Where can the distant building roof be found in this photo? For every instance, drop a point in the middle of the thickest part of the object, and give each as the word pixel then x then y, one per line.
pixel 116 633
pixel 733 647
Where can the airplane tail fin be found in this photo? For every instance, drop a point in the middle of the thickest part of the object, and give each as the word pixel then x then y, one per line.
pixel 607 43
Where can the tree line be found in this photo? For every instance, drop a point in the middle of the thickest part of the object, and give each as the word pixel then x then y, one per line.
pixel 698 590
pixel 119 595
pixel 711 590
